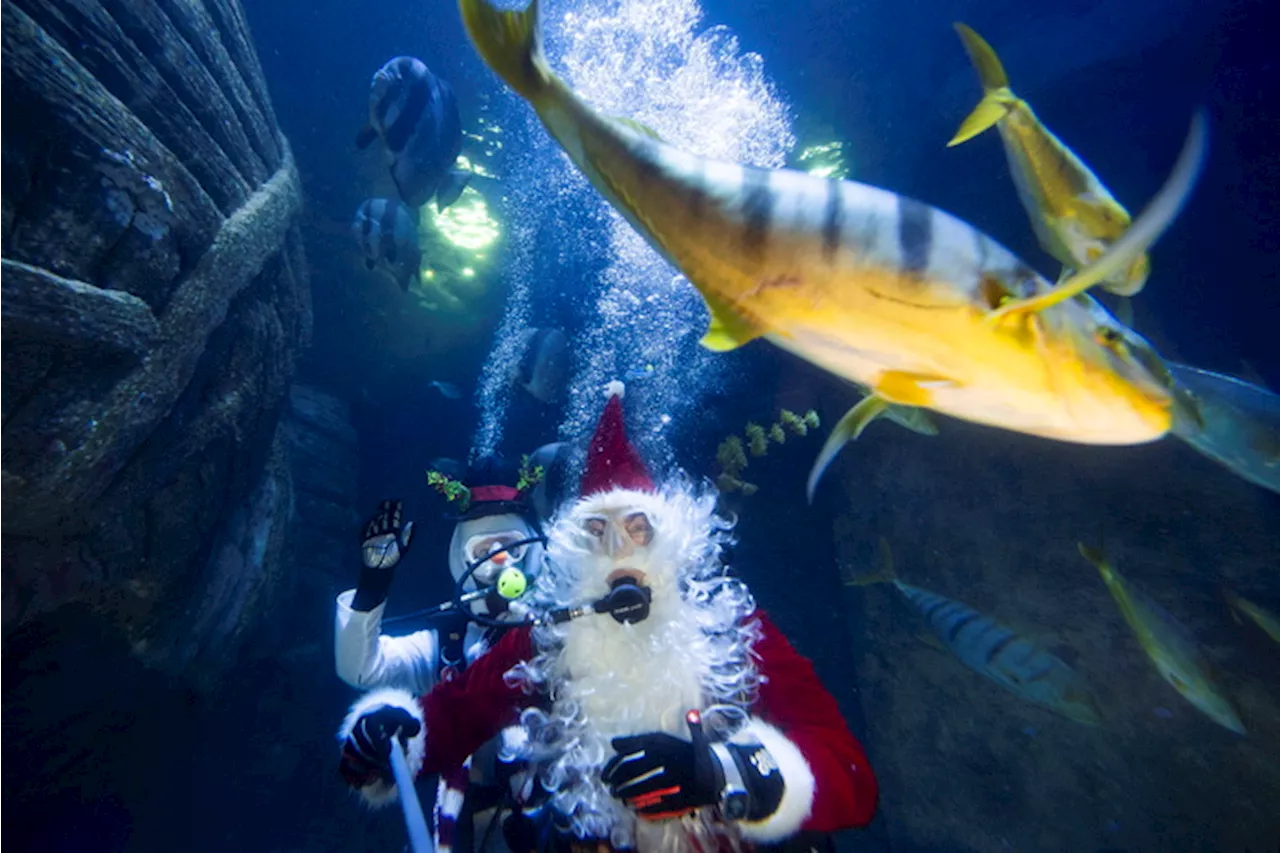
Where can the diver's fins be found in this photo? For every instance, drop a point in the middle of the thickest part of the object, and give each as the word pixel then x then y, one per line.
pixel 848 429
pixel 1145 230
pixel 451 187
pixel 365 137
pixel 997 98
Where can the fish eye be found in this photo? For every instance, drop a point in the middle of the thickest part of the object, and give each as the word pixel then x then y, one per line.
pixel 595 526
pixel 1111 339
pixel 638 528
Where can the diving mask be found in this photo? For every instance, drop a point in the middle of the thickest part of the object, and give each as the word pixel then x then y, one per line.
pixel 491 553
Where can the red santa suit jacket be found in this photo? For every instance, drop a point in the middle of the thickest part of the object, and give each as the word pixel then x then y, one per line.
pixel 829 783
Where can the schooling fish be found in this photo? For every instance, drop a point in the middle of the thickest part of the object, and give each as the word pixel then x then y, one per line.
pixel 1074 216
pixel 1263 618
pixel 1169 645
pixel 544 364
pixel 388 236
pixel 415 114
pixel 887 292
pixel 991 649
pixel 1233 422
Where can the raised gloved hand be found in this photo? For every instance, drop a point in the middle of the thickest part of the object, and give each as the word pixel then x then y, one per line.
pixel 662 776
pixel 366 752
pixel 384 541
pixel 386 536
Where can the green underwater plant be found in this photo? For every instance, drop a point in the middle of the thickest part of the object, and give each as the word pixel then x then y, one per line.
pixel 731 455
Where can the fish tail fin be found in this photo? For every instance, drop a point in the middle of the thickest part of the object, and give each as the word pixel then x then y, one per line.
pixel 997 100
pixel 509 42
pixel 883 573
pixel 847 430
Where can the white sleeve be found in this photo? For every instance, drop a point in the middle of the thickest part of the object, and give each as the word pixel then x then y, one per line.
pixel 365 659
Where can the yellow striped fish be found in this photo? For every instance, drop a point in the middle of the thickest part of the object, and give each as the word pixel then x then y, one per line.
pixel 1169 645
pixel 1074 216
pixel 1263 618
pixel 879 289
pixel 989 648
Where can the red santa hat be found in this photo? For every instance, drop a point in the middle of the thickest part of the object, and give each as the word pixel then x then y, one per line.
pixel 612 462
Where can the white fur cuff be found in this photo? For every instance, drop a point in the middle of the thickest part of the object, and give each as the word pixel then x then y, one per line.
pixel 797 796
pixel 381 793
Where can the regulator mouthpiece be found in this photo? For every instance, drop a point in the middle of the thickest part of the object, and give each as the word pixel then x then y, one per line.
pixel 627 602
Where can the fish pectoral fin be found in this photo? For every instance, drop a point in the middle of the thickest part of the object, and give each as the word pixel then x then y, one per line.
pixel 847 430
pixel 910 389
pixel 451 187
pixel 1144 231
pixel 365 137
pixel 638 127
pixel 727 329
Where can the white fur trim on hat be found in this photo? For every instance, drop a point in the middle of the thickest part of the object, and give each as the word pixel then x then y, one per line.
pixel 615 389
pixel 381 793
pixel 797 776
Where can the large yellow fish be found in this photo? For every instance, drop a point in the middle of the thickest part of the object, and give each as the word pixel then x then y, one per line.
pixel 1074 216
pixel 1170 646
pixel 885 291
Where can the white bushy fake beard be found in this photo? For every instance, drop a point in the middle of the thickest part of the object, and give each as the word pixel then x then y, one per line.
pixel 608 679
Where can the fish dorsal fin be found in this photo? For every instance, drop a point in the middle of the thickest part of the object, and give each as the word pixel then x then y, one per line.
pixel 728 329
pixel 638 126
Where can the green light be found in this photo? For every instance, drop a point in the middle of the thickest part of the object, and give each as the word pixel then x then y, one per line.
pixel 468 272
pixel 466 223
pixel 827 160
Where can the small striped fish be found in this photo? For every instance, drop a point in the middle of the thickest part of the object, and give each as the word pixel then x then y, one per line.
pixel 387 232
pixel 1170 646
pixel 989 648
pixel 879 289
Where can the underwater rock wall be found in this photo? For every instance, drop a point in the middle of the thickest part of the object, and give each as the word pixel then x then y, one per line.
pixel 324 458
pixel 155 302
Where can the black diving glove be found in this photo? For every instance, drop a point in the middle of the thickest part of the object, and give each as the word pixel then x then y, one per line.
pixel 384 541
pixel 366 753
pixel 662 776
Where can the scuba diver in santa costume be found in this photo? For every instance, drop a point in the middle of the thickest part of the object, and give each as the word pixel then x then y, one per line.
pixel 661 710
